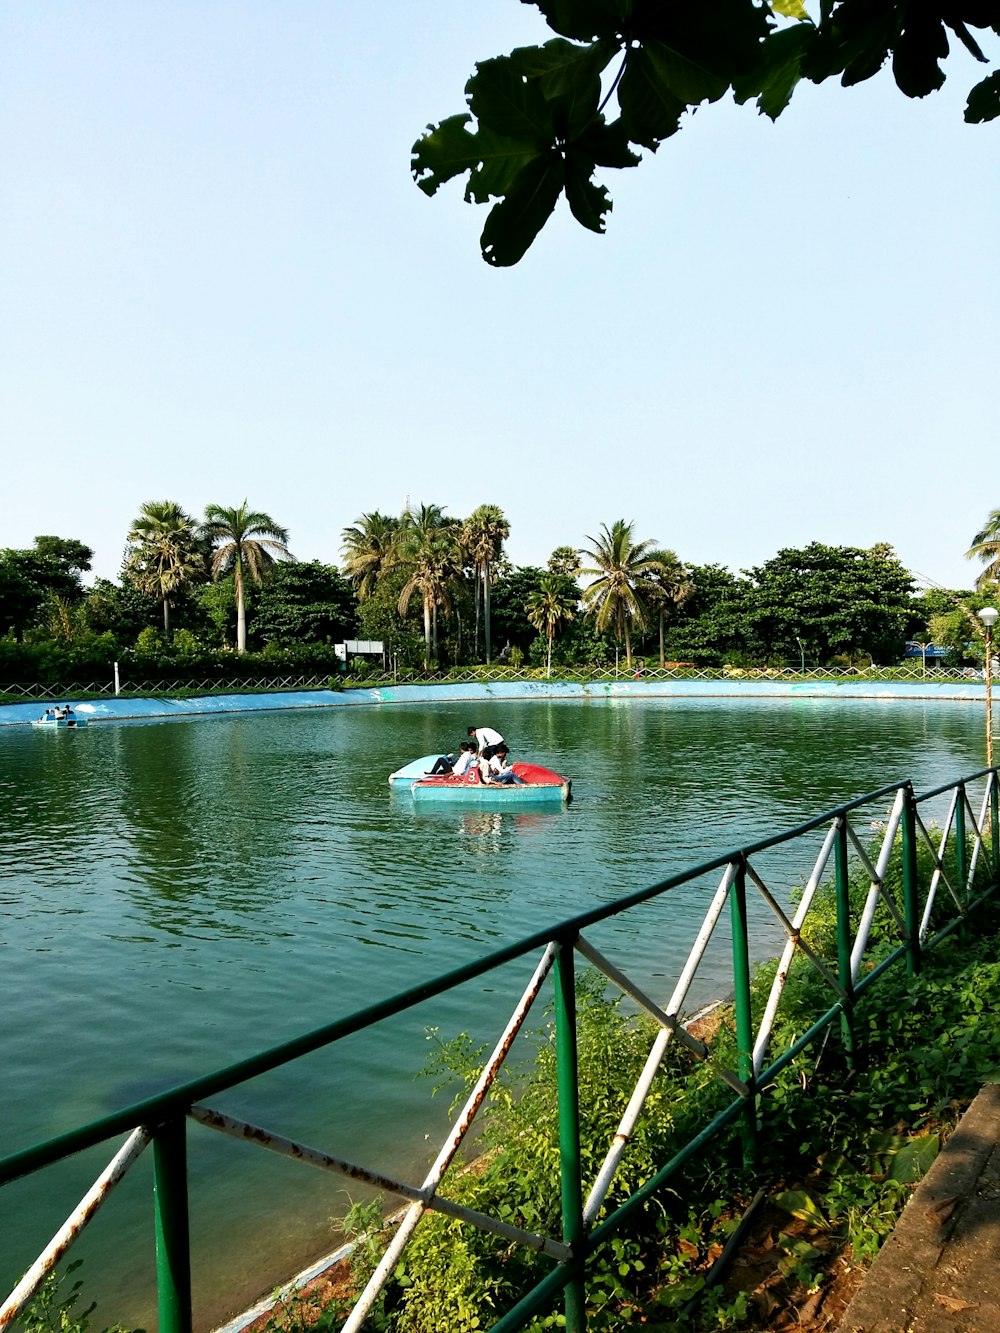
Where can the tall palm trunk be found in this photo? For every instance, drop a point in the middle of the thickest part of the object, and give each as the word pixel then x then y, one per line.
pixel 427 632
pixel 475 640
pixel 241 612
pixel 166 617
pixel 662 658
pixel 486 608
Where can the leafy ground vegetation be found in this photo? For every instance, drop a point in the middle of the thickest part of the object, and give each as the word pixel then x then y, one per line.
pixel 842 1142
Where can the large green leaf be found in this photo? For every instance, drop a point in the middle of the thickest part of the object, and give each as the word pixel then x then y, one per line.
pixel 913 1162
pixel 585 20
pixel 444 151
pixel 922 43
pixel 515 222
pixel 560 65
pixel 801 1204
pixel 685 78
pixel 774 79
pixel 608 144
pixel 506 103
pixel 588 202
pixel 650 111
pixel 449 149
pixel 984 101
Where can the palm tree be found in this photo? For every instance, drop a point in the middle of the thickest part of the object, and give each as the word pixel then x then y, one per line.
pixel 247 542
pixel 623 584
pixel 986 547
pixel 565 560
pixel 673 586
pixel 554 600
pixel 368 551
pixel 483 535
pixel 163 553
pixel 428 549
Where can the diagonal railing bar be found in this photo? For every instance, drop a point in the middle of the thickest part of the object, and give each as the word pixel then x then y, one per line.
pixel 129 1153
pixel 630 1116
pixel 939 873
pixel 877 892
pixel 593 955
pixel 445 1157
pixel 794 934
pixel 323 1161
pixel 784 962
pixel 979 824
pixel 862 851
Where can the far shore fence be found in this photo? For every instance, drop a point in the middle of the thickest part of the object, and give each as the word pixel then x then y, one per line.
pixel 203 683
pixel 925 883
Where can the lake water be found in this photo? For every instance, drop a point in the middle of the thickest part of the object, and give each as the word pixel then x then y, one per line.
pixel 175 895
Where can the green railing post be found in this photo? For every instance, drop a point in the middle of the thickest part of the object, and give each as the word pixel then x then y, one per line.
pixel 173 1248
pixel 961 854
pixel 569 1134
pixel 911 894
pixel 844 976
pixel 741 1004
pixel 994 824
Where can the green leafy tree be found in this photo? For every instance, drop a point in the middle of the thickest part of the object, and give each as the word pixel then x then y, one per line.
pixel 32 581
pixel 428 550
pixel 164 555
pixel 622 589
pixel 511 594
pixel 379 618
pixel 672 587
pixel 541 122
pixel 986 548
pixel 302 603
pixel 247 542
pixel 483 535
pixel 836 599
pixel 708 627
pixel 555 601
pixel 368 548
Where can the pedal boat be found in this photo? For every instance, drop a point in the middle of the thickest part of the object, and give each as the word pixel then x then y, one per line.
pixel 541 787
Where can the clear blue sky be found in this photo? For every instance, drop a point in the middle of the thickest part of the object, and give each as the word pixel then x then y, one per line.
pixel 219 282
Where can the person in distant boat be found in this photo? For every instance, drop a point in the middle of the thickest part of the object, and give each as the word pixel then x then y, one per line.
pixel 49 715
pixel 465 760
pixel 500 771
pixel 68 712
pixel 447 763
pixel 488 739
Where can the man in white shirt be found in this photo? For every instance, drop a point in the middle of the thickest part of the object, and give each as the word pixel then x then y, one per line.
pixel 501 771
pixel 488 739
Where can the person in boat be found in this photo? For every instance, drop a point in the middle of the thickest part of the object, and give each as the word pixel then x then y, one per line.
pixel 448 764
pixel 49 716
pixel 488 739
pixel 500 771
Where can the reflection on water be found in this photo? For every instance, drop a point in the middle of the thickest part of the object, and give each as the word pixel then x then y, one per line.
pixel 178 894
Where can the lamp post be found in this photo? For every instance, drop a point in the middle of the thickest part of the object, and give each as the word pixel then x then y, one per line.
pixel 988 615
pixel 802 653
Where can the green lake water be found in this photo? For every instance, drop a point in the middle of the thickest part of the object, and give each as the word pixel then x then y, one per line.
pixel 175 895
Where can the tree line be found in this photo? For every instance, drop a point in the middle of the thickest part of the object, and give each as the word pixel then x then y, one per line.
pixel 440 591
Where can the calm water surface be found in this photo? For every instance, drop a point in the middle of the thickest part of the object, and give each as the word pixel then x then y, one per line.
pixel 175 895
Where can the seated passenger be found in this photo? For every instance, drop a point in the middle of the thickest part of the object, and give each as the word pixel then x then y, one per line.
pixel 500 771
pixel 443 765
pixel 465 759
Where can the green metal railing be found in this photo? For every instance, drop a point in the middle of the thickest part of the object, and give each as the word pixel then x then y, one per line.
pixel 945 875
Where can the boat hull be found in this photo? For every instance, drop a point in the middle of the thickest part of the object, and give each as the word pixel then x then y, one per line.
pixel 541 787
pixel 60 723
pixel 404 778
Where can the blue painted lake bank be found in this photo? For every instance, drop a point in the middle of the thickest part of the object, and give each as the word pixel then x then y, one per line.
pixel 110 709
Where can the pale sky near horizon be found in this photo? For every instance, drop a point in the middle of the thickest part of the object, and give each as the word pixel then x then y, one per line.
pixel 220 282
